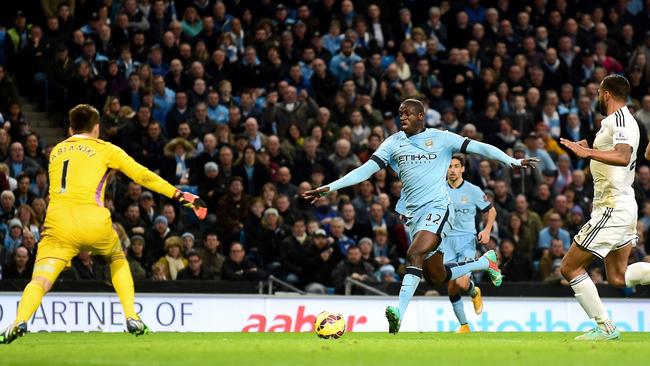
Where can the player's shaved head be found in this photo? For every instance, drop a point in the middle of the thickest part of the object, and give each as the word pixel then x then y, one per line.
pixel 415 105
pixel 83 118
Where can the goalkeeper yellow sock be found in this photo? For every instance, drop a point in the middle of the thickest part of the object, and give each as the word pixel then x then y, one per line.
pixel 47 270
pixel 123 284
pixel 30 301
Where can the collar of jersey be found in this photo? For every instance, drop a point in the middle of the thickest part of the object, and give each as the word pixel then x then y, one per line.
pixel 452 187
pixel 416 135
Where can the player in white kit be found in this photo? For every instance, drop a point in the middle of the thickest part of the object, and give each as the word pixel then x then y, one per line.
pixel 610 234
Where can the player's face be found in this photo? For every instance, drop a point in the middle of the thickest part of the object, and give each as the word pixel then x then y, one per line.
pixel 455 171
pixel 411 121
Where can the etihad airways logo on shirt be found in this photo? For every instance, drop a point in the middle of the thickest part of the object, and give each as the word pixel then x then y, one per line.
pixel 416 158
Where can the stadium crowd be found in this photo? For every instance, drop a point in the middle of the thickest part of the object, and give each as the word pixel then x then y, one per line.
pixel 251 103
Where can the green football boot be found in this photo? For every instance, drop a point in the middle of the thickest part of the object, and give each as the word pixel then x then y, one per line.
pixel 394 319
pixel 13 332
pixel 493 270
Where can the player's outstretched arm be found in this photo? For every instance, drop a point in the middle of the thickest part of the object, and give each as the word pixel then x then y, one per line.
pixel 121 161
pixel 620 156
pixel 356 176
pixel 491 152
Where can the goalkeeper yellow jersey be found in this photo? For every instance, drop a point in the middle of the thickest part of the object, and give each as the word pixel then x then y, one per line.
pixel 80 167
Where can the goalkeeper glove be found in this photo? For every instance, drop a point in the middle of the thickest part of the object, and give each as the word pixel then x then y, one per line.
pixel 193 202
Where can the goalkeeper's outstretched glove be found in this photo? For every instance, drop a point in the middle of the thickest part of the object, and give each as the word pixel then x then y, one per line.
pixel 193 202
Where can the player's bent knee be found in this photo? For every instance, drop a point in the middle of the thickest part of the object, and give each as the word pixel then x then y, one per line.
pixel 435 276
pixel 568 271
pixel 415 258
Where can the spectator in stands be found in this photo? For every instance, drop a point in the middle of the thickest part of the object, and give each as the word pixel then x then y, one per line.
pixel 24 196
pixel 274 232
pixel 139 261
pixel 554 230
pixel 39 207
pixel 530 220
pixel 29 243
pixel 317 272
pixel 292 251
pixel 254 174
pixel 178 164
pixel 194 269
pixel 576 220
pixel 7 200
pixel 354 267
pixel 338 239
pixel 384 252
pixel 173 261
pixel 211 258
pixel 238 268
pixel 364 200
pixel 519 268
pixel 535 148
pixel 517 233
pixel 13 236
pixel 188 243
pixel 132 196
pixel 33 150
pixel 551 255
pixel 232 210
pixel 503 200
pixel 133 222
pixel 19 267
pixel 561 207
pixel 353 228
pixel 18 162
pixel 85 267
pixel 25 214
pixel 158 236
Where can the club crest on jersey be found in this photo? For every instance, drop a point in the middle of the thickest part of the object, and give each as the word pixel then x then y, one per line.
pixel 429 143
pixel 464 199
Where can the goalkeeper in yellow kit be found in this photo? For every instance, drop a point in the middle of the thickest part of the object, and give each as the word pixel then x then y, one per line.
pixel 77 219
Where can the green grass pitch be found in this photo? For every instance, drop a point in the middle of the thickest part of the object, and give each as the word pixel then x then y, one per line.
pixel 242 349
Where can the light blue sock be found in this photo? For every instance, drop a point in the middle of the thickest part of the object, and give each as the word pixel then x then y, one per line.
pixel 471 291
pixel 459 310
pixel 410 283
pixel 457 270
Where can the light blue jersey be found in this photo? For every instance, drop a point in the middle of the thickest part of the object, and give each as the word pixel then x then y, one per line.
pixel 466 199
pixel 421 162
pixel 460 243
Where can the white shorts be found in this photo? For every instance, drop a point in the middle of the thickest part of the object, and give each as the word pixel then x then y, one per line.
pixel 608 229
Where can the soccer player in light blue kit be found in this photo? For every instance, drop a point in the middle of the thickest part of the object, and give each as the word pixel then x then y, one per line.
pixel 460 243
pixel 421 157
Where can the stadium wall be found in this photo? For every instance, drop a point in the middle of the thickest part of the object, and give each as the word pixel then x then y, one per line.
pixel 253 313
